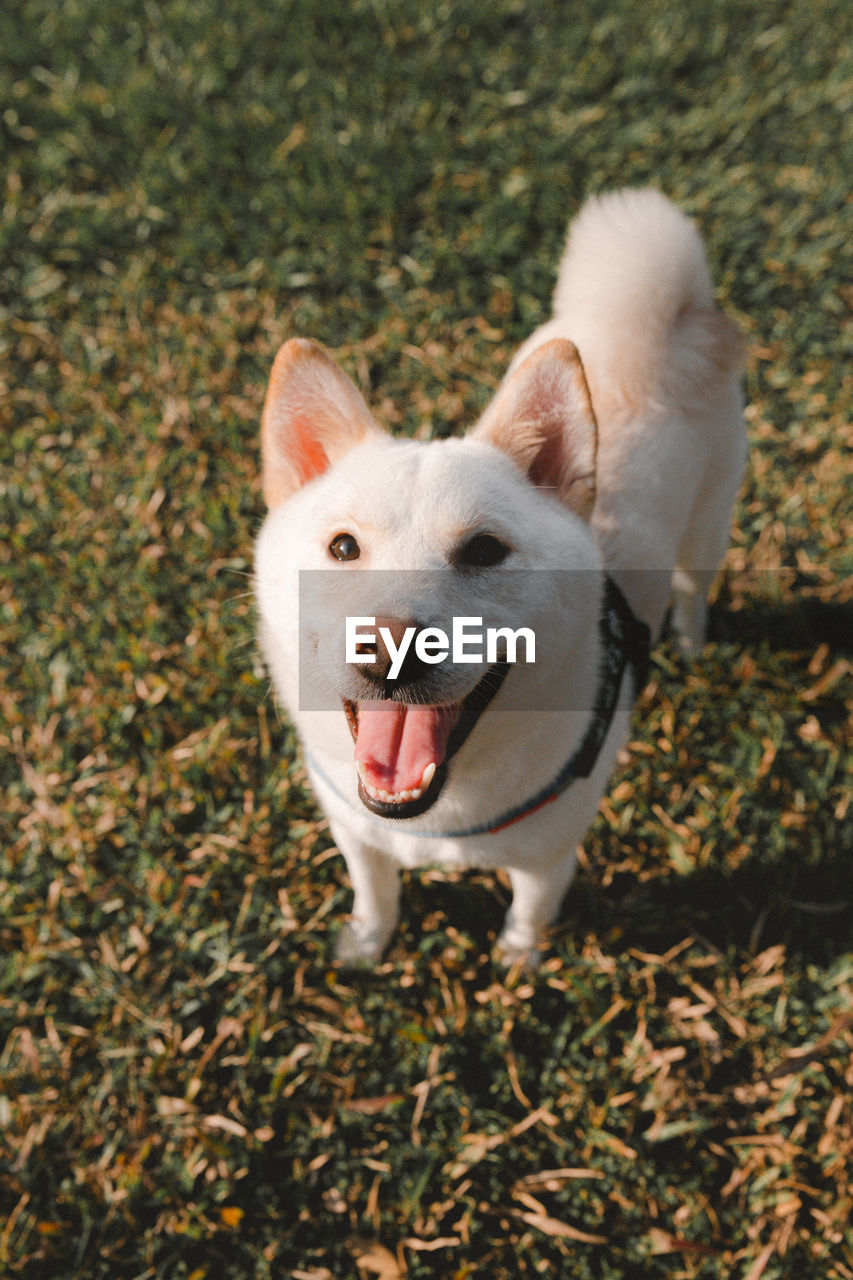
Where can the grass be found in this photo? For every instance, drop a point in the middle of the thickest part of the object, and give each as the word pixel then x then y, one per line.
pixel 188 1087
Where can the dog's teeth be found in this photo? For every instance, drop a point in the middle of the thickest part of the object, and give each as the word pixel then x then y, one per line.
pixel 427 776
pixel 395 797
pixel 404 796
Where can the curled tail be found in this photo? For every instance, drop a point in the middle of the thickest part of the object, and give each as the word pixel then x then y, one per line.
pixel 634 292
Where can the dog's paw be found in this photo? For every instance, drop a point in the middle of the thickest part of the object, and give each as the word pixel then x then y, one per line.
pixel 359 946
pixel 518 949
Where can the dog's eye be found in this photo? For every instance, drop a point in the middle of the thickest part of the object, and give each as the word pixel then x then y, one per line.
pixel 481 551
pixel 344 547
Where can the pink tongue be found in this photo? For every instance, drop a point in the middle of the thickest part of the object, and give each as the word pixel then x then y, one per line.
pixel 396 742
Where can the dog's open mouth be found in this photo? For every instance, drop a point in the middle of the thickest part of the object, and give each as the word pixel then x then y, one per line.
pixel 402 748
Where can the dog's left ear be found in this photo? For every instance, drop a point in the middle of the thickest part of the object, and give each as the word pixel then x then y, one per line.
pixel 542 418
pixel 313 415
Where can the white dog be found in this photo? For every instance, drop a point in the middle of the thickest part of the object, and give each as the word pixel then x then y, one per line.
pixel 599 482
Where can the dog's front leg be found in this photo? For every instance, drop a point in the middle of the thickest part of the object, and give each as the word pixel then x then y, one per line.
pixel 536 899
pixel 376 906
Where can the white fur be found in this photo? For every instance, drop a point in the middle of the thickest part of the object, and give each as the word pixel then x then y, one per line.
pixel 634 296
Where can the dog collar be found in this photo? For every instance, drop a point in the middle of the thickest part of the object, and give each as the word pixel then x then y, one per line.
pixel 626 642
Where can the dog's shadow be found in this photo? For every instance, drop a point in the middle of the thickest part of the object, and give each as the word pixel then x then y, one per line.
pixel 750 908
pixel 798 625
pixel 759 904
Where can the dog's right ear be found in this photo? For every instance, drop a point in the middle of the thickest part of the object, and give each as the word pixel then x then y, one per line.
pixel 313 415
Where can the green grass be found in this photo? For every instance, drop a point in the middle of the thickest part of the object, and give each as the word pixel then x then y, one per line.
pixel 188 1088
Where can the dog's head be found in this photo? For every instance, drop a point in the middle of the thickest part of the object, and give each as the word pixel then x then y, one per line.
pixel 397 540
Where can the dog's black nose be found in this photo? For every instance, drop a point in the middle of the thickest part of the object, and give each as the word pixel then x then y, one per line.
pixel 379 660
